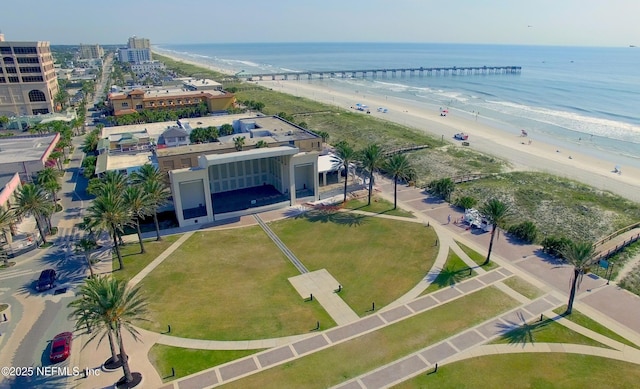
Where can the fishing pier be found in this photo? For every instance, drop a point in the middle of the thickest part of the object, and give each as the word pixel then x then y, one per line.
pixel 374 73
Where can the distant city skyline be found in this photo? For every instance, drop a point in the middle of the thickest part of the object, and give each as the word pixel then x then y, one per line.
pixel 542 22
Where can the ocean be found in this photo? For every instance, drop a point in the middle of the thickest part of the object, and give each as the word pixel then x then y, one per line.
pixel 581 98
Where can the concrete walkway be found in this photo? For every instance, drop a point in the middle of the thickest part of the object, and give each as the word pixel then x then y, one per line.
pixel 323 287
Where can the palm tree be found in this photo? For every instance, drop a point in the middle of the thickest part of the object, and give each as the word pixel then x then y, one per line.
pixel 109 212
pixel 6 220
pixel 346 156
pixel 399 167
pixel 111 178
pixel 31 200
pixel 155 186
pixel 261 144
pixel 372 159
pixel 238 142
pixel 48 179
pixel 581 255
pixel 85 246
pixel 138 202
pixel 496 212
pixel 109 304
pixel 90 311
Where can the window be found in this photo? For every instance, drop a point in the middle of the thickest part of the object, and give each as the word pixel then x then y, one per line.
pixel 125 105
pixel 8 59
pixel 32 79
pixel 36 95
pixel 139 106
pixel 12 70
pixel 14 79
pixel 30 69
pixel 40 111
pixel 5 50
pixel 28 60
pixel 3 80
pixel 182 138
pixel 25 50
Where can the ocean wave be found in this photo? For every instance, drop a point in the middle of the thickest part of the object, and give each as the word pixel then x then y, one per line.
pixel 573 121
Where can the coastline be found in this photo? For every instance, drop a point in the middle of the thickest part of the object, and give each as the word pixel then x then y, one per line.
pixel 484 135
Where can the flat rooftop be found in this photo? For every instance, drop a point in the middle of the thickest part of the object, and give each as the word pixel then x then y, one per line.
pixel 23 149
pixel 156 129
pixel 157 93
pixel 123 161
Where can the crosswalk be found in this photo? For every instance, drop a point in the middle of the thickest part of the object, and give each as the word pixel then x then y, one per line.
pixel 14 273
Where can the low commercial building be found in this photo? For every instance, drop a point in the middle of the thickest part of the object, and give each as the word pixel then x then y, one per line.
pixel 152 99
pixel 26 155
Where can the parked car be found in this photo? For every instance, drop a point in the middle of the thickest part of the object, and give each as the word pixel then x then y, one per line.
pixel 61 347
pixel 47 280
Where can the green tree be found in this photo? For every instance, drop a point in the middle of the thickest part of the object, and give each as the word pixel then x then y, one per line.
pixel 4 120
pixel 31 200
pixel 238 142
pixel 49 179
pixel 443 188
pixel 226 129
pixel 139 205
pixel 466 202
pixel 110 213
pixel 262 144
pixel 7 218
pixel 580 255
pixel 108 303
pixel 155 186
pixel 345 155
pixel 85 246
pixel 400 169
pixel 372 158
pixel 497 213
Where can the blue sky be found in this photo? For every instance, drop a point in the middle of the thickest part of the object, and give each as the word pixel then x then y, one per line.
pixel 558 22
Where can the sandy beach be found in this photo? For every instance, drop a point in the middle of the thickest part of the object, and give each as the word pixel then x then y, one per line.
pixel 483 136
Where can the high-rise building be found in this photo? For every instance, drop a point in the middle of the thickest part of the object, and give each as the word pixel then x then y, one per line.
pixel 138 43
pixel 28 83
pixel 138 50
pixel 91 51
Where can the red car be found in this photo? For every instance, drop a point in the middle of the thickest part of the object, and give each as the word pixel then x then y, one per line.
pixel 61 347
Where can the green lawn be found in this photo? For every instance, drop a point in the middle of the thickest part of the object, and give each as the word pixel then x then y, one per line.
pixel 593 325
pixel 188 361
pixel 374 259
pixel 530 370
pixel 477 257
pixel 3 307
pixel 454 271
pixel 545 331
pixel 229 285
pixel 134 261
pixel 357 356
pixel 523 287
pixel 378 205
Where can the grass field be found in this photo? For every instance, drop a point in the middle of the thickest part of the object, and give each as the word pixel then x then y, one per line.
pixel 593 325
pixel 188 361
pixel 378 205
pixel 344 361
pixel 454 271
pixel 530 370
pixel 545 331
pixel 374 259
pixel 229 285
pixel 134 261
pixel 477 257
pixel 523 287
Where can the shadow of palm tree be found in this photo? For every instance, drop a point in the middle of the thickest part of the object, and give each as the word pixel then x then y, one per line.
pixel 329 215
pixel 522 333
pixel 450 276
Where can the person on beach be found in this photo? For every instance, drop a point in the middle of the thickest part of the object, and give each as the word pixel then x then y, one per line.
pixel 449 219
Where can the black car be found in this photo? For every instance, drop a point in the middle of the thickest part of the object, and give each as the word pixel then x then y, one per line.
pixel 47 280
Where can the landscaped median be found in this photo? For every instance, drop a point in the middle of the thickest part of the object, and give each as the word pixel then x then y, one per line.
pixel 346 360
pixel 531 370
